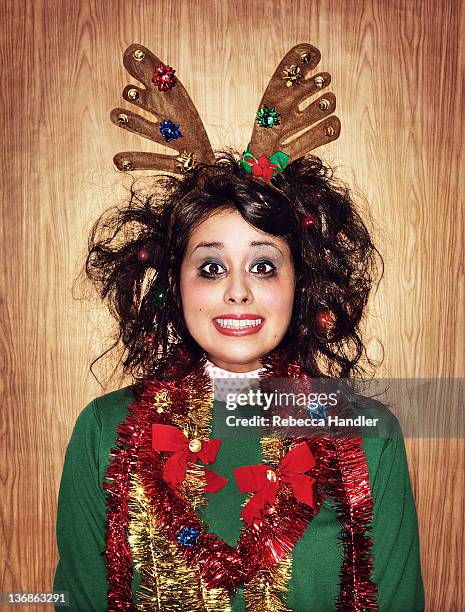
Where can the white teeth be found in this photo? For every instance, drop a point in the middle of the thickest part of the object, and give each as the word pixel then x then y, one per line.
pixel 238 323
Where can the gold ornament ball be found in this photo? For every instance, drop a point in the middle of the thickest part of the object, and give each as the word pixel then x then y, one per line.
pixel 195 445
pixel 271 475
pixel 133 94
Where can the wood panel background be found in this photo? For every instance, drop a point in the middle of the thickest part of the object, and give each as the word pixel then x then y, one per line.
pixel 397 70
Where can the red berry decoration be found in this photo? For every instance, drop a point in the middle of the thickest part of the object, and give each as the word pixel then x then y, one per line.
pixel 308 221
pixel 164 77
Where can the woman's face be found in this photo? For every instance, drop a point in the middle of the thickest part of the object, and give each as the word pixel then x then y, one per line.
pixel 237 290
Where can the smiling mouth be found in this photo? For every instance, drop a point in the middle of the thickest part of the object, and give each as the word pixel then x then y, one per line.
pixel 238 327
pixel 238 323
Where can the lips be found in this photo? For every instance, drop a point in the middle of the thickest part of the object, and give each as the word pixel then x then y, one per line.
pixel 238 325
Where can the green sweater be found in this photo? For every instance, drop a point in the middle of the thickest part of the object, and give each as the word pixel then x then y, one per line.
pixel 317 557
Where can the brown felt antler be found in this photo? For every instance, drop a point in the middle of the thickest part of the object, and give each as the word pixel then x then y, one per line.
pixel 167 100
pixel 298 131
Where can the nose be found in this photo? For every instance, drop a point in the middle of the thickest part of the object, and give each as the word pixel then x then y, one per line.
pixel 237 290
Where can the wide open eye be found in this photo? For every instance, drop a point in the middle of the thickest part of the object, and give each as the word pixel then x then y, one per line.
pixel 213 271
pixel 261 268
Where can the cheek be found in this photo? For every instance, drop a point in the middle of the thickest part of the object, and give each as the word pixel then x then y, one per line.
pixel 280 300
pixel 195 296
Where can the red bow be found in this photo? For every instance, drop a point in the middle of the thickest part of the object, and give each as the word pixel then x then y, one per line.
pixel 265 481
pixel 263 167
pixel 171 439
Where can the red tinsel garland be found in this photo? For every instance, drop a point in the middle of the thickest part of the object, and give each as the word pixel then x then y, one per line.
pixel 340 471
pixel 357 590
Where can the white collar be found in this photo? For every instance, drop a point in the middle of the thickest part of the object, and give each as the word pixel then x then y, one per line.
pixel 216 372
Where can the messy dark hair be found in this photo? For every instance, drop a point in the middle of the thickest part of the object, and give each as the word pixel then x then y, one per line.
pixel 135 250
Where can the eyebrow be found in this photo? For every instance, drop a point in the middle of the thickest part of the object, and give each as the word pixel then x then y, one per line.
pixel 220 245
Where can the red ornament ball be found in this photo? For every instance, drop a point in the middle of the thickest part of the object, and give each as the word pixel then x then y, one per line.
pixel 325 320
pixel 308 221
pixel 164 77
pixel 143 255
pixel 149 339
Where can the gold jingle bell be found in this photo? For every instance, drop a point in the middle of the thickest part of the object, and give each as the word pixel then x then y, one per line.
pixel 329 130
pixel 195 445
pixel 138 55
pixel 271 475
pixel 133 94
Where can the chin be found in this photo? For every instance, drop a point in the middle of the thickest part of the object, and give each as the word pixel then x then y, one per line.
pixel 238 356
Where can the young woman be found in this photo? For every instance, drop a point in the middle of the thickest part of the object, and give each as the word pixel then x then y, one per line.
pixel 219 273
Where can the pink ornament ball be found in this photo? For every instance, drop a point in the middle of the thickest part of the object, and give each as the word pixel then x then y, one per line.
pixel 143 255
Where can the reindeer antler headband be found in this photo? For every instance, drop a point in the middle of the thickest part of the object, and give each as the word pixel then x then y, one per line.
pixel 282 131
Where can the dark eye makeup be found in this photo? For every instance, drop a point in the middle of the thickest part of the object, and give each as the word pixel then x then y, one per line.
pixel 264 268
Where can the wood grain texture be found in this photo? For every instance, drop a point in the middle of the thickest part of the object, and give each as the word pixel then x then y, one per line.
pixel 397 71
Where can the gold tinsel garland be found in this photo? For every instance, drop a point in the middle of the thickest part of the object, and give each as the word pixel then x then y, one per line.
pixel 196 424
pixel 266 592
pixel 167 582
